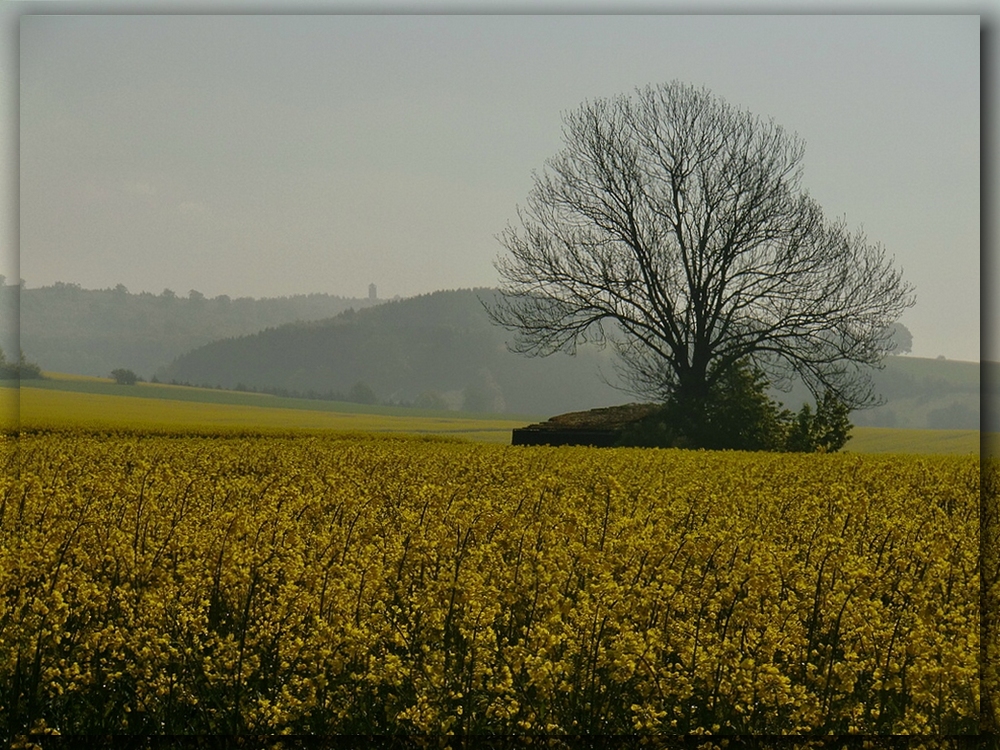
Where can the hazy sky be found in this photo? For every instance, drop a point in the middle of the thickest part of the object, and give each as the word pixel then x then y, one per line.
pixel 274 155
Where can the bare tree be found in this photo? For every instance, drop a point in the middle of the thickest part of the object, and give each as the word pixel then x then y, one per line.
pixel 673 227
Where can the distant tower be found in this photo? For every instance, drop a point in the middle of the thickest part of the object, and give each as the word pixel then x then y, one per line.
pixel 371 293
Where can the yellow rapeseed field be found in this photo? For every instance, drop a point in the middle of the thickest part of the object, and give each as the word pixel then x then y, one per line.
pixel 9 407
pixel 56 409
pixel 196 584
pixel 164 409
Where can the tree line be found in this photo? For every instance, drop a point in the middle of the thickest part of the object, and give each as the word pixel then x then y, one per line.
pixel 66 328
pixel 22 369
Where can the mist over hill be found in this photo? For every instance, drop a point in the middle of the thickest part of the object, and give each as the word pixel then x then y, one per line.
pixel 64 328
pixel 918 393
pixel 443 347
pixel 9 324
pixel 436 348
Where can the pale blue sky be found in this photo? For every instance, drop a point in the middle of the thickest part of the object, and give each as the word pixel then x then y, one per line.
pixel 274 155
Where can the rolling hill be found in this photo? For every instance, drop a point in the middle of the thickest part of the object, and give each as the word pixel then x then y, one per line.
pixel 436 348
pixel 441 348
pixel 65 328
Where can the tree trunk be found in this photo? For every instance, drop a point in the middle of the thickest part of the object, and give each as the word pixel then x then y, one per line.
pixel 691 407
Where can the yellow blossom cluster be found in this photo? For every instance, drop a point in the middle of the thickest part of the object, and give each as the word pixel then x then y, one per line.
pixel 190 584
pixel 989 524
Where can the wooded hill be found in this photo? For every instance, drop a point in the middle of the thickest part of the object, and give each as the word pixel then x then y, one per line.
pixel 64 328
pixel 441 348
pixel 437 349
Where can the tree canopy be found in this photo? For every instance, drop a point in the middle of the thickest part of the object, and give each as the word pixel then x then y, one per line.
pixel 673 226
